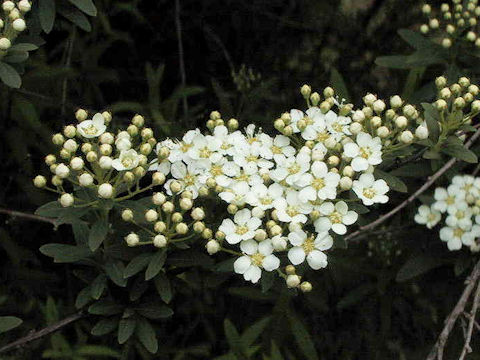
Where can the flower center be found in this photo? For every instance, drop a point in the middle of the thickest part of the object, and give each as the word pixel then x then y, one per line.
pixel 127 162
pixel 90 129
pixel 189 179
pixel 365 153
pixel 185 147
pixel 458 232
pixel 276 150
pixel 450 200
pixel 243 177
pixel 252 140
pixel 308 120
pixel 335 217
pixel 266 201
pixel 460 214
pixel 225 146
pixel 369 193
pixel 257 259
pixel 322 136
pixel 251 158
pixel 337 127
pixel 318 183
pixel 292 211
pixel 308 245
pixel 204 153
pixel 431 217
pixel 241 230
pixel 295 168
pixel 216 170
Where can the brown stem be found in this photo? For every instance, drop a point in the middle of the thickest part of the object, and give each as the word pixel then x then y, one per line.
pixel 467 348
pixel 411 198
pixel 183 76
pixel 27 216
pixel 438 348
pixel 41 333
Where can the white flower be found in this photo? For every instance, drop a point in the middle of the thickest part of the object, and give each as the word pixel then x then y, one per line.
pixel 204 150
pixel 257 256
pixel 338 126
pixel 262 196
pixel 291 169
pixel 315 121
pixel 291 209
pixel 467 184
pixel 369 190
pixel 366 151
pixel 447 198
pixel 427 216
pixel 335 217
pixel 92 128
pixel 281 146
pixel 126 161
pixel 236 193
pixel 321 184
pixel 241 228
pixel 459 216
pixel 187 175
pixel 455 237
pixel 180 152
pixel 307 247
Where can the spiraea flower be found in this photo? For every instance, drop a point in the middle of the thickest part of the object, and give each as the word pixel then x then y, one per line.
pixel 457 208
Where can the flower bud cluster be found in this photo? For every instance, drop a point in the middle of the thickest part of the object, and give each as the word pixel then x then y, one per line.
pixel 171 219
pixel 456 21
pixel 12 22
pixel 458 208
pixel 107 164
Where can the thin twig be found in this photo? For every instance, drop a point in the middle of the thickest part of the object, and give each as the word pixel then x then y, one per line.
pixel 68 63
pixel 41 333
pixel 438 348
pixel 23 215
pixel 181 61
pixel 467 315
pixel 471 323
pixel 416 194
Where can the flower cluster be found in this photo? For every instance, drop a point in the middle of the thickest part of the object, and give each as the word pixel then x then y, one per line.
pixel 288 193
pixel 459 96
pixel 458 22
pixel 459 204
pixel 12 22
pixel 170 220
pixel 105 164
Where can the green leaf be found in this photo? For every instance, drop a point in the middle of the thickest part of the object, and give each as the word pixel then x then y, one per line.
pixel 233 338
pixel 146 334
pixel 9 76
pixel 275 352
pixel 416 39
pixel 417 170
pixel 83 297
pixel 8 323
pixel 432 118
pixel 76 17
pixel 154 311
pixel 250 335
pixel 126 327
pixel 104 326
pixel 416 265
pixel 156 264
pixel 303 338
pixel 87 6
pixel 15 57
pixel 46 13
pixel 23 47
pixel 98 350
pixel 164 289
pixel 115 271
pixel 460 152
pixel 98 233
pixel 98 286
pixel 393 62
pixel 338 84
pixel 137 264
pixel 393 182
pixel 62 253
pixel 356 295
pixel 105 308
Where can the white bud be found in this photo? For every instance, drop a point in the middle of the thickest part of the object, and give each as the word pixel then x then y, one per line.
pixel 198 214
pixel 19 25
pixel 85 179
pixel 358 116
pixel 151 215
pixel 421 132
pixel 70 145
pixel 40 181
pixel 212 247
pixel 76 163
pixel 127 215
pixel 401 122
pixel 369 99
pixel 62 171
pixel 258 212
pixel 159 198
pixel 383 132
pixel 186 204
pixel 406 137
pixel 105 162
pixel 346 183
pixel 24 6
pixel 66 200
pixel 8 6
pixel 159 241
pixel 293 281
pixel 105 191
pixel 378 106
pixel 396 102
pixel 107 138
pixel 279 243
pixel 356 128
pixel 132 239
